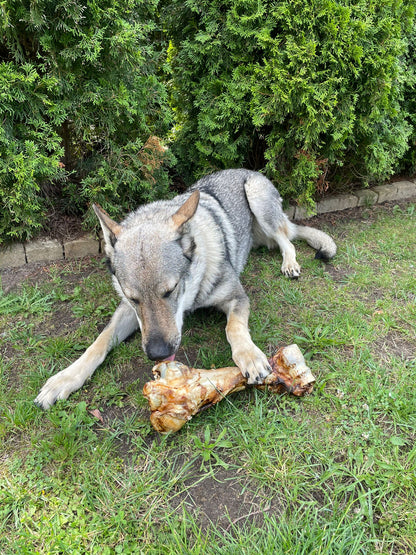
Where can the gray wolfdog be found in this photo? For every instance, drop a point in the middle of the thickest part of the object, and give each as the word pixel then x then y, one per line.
pixel 174 256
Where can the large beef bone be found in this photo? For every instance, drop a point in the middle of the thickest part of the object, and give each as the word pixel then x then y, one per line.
pixel 178 392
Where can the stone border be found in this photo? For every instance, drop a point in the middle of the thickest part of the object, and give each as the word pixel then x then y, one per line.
pixel 50 250
pixel 398 190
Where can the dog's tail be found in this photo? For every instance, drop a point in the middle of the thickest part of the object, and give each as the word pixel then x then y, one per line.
pixel 323 244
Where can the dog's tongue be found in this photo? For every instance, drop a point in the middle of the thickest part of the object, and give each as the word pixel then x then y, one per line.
pixel 171 358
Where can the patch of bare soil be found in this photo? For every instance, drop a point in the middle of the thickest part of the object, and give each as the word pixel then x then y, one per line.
pixel 12 278
pixel 394 344
pixel 62 322
pixel 226 500
pixel 39 273
pixel 339 274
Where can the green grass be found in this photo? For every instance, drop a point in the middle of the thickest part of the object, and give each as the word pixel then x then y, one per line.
pixel 331 473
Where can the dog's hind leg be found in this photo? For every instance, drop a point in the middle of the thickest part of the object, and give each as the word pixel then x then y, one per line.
pixel 271 225
pixel 282 235
pixel 123 323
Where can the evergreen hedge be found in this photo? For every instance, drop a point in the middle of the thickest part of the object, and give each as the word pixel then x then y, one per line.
pixel 300 88
pixel 315 94
pixel 81 106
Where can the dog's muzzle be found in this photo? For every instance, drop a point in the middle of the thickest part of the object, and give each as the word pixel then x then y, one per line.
pixel 158 349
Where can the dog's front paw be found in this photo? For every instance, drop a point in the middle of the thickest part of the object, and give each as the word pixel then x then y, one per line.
pixel 59 386
pixel 253 364
pixel 291 269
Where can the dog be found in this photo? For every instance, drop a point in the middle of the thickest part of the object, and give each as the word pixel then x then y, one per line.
pixel 173 256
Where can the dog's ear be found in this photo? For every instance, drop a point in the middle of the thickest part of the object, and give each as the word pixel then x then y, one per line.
pixel 187 244
pixel 186 211
pixel 111 229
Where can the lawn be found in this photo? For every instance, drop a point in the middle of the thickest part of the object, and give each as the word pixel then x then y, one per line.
pixel 331 473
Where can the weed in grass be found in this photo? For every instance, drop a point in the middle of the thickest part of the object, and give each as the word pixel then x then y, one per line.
pixel 133 426
pixel 207 448
pixel 56 347
pixel 87 308
pixel 29 301
pixel 315 340
pixel 409 211
pixel 215 355
pixel 21 416
pixel 113 394
pixel 23 334
pixel 291 294
pixel 72 433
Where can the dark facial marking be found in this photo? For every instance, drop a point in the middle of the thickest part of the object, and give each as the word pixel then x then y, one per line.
pixel 110 266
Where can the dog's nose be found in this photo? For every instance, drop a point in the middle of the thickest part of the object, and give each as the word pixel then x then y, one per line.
pixel 157 349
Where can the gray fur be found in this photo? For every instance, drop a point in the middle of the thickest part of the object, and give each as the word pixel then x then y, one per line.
pixel 174 256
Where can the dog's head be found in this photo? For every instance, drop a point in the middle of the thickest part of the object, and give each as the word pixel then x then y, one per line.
pixel 150 262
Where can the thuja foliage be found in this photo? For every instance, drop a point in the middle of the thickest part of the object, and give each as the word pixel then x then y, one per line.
pixel 300 88
pixel 408 164
pixel 81 108
pixel 313 93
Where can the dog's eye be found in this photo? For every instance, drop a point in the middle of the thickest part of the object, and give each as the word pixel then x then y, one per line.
pixel 135 301
pixel 169 292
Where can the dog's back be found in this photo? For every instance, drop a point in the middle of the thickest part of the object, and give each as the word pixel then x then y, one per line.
pixel 223 197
